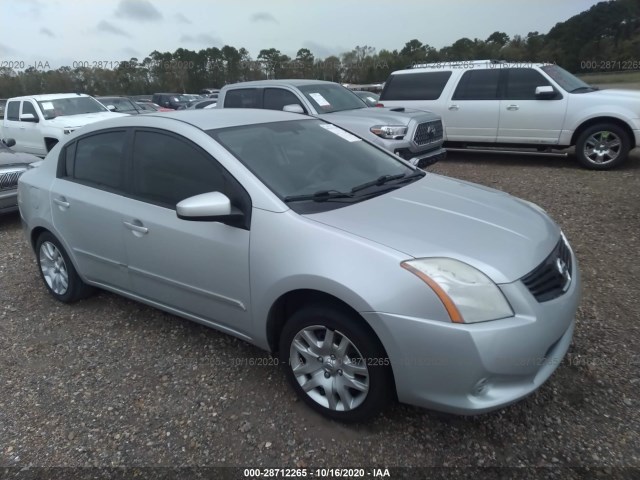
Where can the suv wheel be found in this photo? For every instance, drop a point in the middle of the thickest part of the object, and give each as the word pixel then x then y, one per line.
pixel 602 146
pixel 335 364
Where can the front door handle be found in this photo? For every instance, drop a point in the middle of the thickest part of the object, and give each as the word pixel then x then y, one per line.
pixel 513 107
pixel 62 202
pixel 454 107
pixel 136 228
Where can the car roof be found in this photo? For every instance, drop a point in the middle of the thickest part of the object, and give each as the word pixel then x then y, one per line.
pixel 465 64
pixel 50 96
pixel 293 82
pixel 203 119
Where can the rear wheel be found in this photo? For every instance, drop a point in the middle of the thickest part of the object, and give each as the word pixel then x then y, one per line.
pixel 335 364
pixel 57 271
pixel 602 146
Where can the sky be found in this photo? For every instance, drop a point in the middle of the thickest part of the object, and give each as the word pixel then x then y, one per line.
pixel 65 32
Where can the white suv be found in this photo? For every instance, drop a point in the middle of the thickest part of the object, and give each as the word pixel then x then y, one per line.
pixel 521 105
pixel 38 122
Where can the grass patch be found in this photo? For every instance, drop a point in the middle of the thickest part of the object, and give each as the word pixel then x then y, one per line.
pixel 616 77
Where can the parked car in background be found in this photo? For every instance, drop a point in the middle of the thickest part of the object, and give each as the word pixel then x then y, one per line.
pixel 414 135
pixel 370 279
pixel 170 100
pixel 121 105
pixel 38 122
pixel 208 92
pixel 370 98
pixel 12 165
pixel 141 98
pixel 207 103
pixel 152 107
pixel 521 105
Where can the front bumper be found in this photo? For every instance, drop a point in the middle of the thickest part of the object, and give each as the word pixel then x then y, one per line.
pixel 476 368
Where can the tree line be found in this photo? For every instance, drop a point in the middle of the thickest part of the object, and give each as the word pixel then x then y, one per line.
pixel 605 37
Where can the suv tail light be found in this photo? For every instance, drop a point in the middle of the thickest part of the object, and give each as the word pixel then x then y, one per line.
pixel 379 104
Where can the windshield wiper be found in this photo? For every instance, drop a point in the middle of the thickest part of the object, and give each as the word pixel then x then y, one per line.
pixel 319 196
pixel 378 182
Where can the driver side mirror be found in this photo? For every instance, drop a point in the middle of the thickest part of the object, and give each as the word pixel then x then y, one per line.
pixel 545 93
pixel 9 142
pixel 29 117
pixel 293 108
pixel 111 108
pixel 208 207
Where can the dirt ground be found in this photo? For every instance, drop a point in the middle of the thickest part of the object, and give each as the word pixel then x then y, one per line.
pixel 109 382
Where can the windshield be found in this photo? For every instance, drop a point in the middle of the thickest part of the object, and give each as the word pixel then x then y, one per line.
pixel 566 80
pixel 327 98
pixel 62 107
pixel 304 157
pixel 370 98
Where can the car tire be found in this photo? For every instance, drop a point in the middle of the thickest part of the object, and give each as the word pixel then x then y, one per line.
pixel 346 377
pixel 58 273
pixel 602 146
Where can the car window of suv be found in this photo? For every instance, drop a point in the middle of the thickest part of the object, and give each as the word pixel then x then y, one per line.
pixel 522 83
pixel 241 98
pixel 415 86
pixel 13 111
pixel 27 107
pixel 478 85
pixel 168 169
pixel 277 98
pixel 99 159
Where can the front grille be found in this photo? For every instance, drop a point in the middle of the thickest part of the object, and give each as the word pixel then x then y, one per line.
pixel 9 180
pixel 552 277
pixel 429 132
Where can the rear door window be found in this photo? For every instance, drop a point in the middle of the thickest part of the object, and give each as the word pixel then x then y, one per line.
pixel 415 86
pixel 478 85
pixel 242 98
pixel 99 160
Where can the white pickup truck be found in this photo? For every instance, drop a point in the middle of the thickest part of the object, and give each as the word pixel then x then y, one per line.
pixel 38 122
pixel 513 105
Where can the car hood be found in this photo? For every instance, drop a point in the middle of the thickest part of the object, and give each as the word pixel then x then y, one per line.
pixel 379 115
pixel 10 158
pixel 75 121
pixel 615 93
pixel 500 235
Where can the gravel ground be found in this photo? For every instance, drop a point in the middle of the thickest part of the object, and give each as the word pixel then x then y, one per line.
pixel 110 382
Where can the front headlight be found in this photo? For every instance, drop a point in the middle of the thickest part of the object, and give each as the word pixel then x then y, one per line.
pixel 468 295
pixel 390 132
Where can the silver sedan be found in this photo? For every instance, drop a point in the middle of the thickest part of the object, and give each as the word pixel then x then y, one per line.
pixel 368 279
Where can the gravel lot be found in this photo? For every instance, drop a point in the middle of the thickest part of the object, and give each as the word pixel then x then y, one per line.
pixel 110 382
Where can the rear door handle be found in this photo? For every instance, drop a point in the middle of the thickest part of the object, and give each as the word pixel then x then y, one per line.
pixel 62 202
pixel 136 228
pixel 454 107
pixel 513 107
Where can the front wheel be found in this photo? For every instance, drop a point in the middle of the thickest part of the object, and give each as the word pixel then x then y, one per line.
pixel 335 364
pixel 602 146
